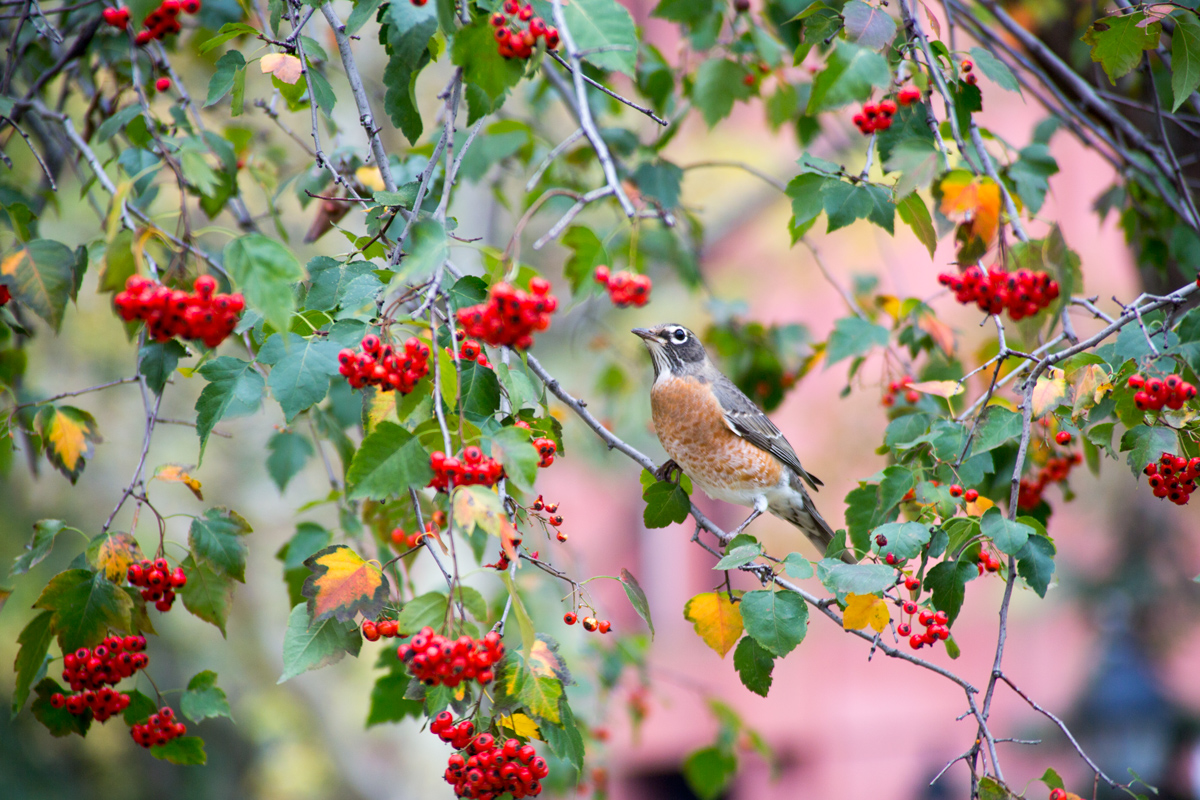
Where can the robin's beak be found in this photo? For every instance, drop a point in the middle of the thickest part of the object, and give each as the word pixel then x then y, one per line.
pixel 645 333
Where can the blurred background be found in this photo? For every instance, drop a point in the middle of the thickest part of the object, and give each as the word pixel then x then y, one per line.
pixel 1112 649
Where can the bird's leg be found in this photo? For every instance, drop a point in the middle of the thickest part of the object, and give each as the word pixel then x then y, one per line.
pixel 760 505
pixel 669 471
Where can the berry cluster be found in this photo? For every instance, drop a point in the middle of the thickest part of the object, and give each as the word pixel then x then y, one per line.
pixel 1173 477
pixel 201 314
pixel 164 20
pixel 381 366
pixel 553 517
pixel 875 117
pixel 515 41
pixel 1154 393
pixel 510 316
pixel 896 387
pixel 437 661
pixel 116 17
pixel 159 729
pixel 103 703
pixel 1055 470
pixel 490 769
pixel 987 562
pixel 474 468
pixel 471 350
pixel 590 624
pixel 546 449
pixel 387 628
pixel 908 95
pixel 956 490
pixel 625 288
pixel 969 76
pixel 1023 293
pixel 935 623
pixel 410 540
pixel 92 672
pixel 157 581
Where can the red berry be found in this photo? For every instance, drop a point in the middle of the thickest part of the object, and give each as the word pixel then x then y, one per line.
pixel 604 626
pixel 569 618
pixel 1063 437
pixel 956 490
pixel 590 624
pixel 162 84
pixel 971 495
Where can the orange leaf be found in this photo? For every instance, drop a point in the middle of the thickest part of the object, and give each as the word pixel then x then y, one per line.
pixel 717 620
pixel 114 555
pixel 174 473
pixel 939 388
pixel 972 201
pixel 342 584
pixel 976 507
pixel 287 68
pixel 863 610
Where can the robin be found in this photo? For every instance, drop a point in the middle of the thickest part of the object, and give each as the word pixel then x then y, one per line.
pixel 722 440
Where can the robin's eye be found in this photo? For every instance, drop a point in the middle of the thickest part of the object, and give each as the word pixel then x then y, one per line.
pixel 679 336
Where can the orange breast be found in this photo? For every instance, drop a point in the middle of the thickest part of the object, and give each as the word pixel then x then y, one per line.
pixel 691 426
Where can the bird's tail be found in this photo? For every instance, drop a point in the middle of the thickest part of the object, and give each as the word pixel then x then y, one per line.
pixel 797 508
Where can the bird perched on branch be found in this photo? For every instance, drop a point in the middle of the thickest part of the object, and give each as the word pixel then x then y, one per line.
pixel 724 442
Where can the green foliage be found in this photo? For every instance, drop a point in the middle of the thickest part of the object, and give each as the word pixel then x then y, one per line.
pixel 216 541
pixel 308 645
pixel 389 462
pixel 1118 42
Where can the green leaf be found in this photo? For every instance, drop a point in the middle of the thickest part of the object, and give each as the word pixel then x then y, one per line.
pixel 904 539
pixel 157 360
pixel 1031 173
pixel 996 70
pixel 400 97
pixel 1051 779
pixel 219 85
pixel 708 771
pixel 409 28
pixel 1008 536
pixel 806 191
pixel 851 74
pixel 660 180
pixel 186 750
pixel 35 641
pixel 853 336
pixel 776 620
pixel 480 391
pixel 845 203
pixel 332 281
pixel 917 158
pixel 301 369
pixel 565 740
pixel 306 648
pixel 637 598
pixel 116 123
pixel 719 82
pixel 587 253
pixel 1035 563
pixel 490 74
pixel 666 503
pixel 753 664
pixel 797 566
pixel 203 698
pixel 428 609
pixel 44 532
pixel 234 389
pixel 841 578
pixel 511 446
pixel 289 453
pixel 999 427
pixel 867 25
pixel 914 213
pixel 228 31
pixel 1119 41
pixel 58 721
pixel 85 605
pixel 603 27
pixel 207 594
pixel 948 582
pixel 41 276
pixel 738 556
pixel 364 12
pixel 688 12
pixel 266 271
pixel 1185 57
pixel 216 542
pixel 388 463
pixel 1147 443
pixel 388 703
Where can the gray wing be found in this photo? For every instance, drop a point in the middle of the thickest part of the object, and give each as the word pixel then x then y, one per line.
pixel 749 422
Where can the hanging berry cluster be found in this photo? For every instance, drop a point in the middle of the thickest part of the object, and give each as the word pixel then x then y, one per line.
pixel 1055 470
pixel 590 623
pixel 491 769
pixel 116 17
pixel 956 491
pixel 92 672
pixel 164 20
pixel 552 518
pixel 1023 293
pixel 372 630
pixel 157 581
pixel 103 703
pixel 161 728
pixel 935 624
pixel 896 387
pixel 987 562
pixel 624 287
pixel 437 661
pixel 1173 477
pixel 875 117
pixel 200 315
pixel 473 469
pixel 518 32
pixel 546 449
pixel 510 316
pixel 410 540
pixel 969 76
pixel 381 366
pixel 1155 393
pixel 471 350
pixel 908 95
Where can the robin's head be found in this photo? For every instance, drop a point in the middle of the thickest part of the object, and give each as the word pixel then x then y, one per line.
pixel 675 349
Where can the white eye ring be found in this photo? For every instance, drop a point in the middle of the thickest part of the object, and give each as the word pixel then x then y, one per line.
pixel 679 335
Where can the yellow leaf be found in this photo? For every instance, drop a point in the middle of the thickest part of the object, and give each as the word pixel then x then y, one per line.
pixel 477 506
pixel 888 304
pixel 69 435
pixel 939 388
pixel 343 584
pixel 370 178
pixel 116 553
pixel 283 66
pixel 863 610
pixel 174 473
pixel 544 660
pixel 521 725
pixel 972 201
pixel 1091 384
pixel 717 620
pixel 1049 392
pixel 382 408
pixel 976 507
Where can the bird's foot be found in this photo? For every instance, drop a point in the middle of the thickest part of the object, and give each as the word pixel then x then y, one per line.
pixel 669 471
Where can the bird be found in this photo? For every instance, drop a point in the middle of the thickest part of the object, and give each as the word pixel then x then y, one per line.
pixel 719 438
